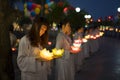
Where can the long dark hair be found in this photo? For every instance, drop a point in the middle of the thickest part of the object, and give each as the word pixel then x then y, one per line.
pixel 33 34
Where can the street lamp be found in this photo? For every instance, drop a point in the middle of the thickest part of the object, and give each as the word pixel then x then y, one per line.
pixel 87 16
pixel 77 9
pixel 118 9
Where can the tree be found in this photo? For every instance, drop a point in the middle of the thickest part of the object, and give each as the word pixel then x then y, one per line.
pixel 7 16
pixel 77 18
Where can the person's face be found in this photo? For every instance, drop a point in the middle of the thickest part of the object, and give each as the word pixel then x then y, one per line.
pixel 67 29
pixel 42 29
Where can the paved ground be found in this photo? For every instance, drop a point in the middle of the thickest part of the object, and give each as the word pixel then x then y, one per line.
pixel 103 65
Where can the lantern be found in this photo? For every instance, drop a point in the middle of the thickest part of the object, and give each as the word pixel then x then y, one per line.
pixel 84 40
pixel 57 52
pixel 46 55
pixel 75 50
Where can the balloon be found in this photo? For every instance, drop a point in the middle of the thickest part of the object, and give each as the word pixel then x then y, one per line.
pixel 33 14
pixel 37 10
pixel 50 3
pixel 25 9
pixel 47 1
pixel 46 6
pixel 38 6
pixel 29 6
pixel 25 5
pixel 34 6
pixel 46 11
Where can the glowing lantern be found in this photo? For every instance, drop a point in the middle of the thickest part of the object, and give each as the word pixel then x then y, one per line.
pixel 101 33
pixel 94 37
pixel 91 36
pixel 13 49
pixel 87 36
pixel 57 52
pixel 75 50
pixel 84 40
pixel 97 35
pixel 46 55
pixel 76 45
pixel 49 43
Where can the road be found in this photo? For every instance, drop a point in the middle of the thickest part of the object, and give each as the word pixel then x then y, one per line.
pixel 104 64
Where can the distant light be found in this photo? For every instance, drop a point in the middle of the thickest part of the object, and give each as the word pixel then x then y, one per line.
pixel 118 9
pixel 77 9
pixel 87 16
pixel 65 10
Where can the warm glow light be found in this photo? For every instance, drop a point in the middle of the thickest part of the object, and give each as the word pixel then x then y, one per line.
pixel 87 36
pixel 76 45
pixel 84 40
pixel 13 49
pixel 57 52
pixel 75 50
pixel 46 55
pixel 101 33
pixel 49 43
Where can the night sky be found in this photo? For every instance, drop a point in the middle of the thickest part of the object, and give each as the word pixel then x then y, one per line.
pixel 97 8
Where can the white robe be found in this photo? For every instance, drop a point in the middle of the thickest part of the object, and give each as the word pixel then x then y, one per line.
pixel 79 57
pixel 64 65
pixel 31 69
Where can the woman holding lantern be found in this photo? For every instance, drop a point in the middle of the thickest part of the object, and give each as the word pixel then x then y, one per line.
pixel 65 64
pixel 31 64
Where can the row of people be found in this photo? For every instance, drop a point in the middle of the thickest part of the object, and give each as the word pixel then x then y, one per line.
pixel 88 47
pixel 33 67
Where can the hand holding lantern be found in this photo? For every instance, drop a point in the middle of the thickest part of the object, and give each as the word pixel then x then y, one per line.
pixel 76 46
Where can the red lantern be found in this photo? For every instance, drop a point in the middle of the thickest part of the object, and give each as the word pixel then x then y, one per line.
pixel 75 50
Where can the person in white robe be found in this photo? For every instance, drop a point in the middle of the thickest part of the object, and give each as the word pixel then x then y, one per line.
pixel 31 65
pixel 64 65
pixel 79 57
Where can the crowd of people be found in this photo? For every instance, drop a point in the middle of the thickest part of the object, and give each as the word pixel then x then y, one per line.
pixel 34 67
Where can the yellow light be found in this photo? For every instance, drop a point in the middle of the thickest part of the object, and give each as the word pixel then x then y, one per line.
pixel 46 55
pixel 57 52
pixel 84 40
